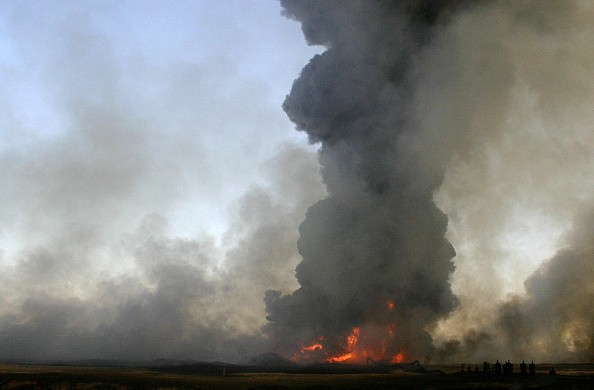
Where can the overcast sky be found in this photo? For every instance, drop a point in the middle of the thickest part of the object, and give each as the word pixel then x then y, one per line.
pixel 208 76
pixel 152 187
pixel 118 113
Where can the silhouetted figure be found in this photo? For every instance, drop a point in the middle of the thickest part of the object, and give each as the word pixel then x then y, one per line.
pixel 508 368
pixel 486 368
pixel 532 368
pixel 469 369
pixel 552 371
pixel 476 370
pixel 522 368
pixel 462 369
pixel 497 368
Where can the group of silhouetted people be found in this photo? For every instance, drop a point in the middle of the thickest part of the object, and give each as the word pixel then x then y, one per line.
pixel 506 368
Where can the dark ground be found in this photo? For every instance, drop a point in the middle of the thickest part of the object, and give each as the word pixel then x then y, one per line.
pixel 205 376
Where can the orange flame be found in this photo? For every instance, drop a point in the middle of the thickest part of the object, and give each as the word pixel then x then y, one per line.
pixel 341 358
pixel 398 358
pixel 374 346
pixel 316 346
pixel 390 304
pixel 352 341
pixel 313 347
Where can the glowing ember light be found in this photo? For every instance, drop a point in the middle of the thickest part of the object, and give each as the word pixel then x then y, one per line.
pixel 390 304
pixel 391 330
pixel 341 358
pixel 313 347
pixel 366 344
pixel 352 341
pixel 398 358
pixel 303 352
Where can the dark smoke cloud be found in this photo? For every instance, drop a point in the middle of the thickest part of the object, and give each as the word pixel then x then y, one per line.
pixel 484 105
pixel 378 236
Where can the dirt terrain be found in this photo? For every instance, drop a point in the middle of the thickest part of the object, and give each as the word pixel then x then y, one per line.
pixel 436 377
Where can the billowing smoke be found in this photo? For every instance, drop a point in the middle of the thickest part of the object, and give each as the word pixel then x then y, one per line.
pixel 479 106
pixel 112 150
pixel 554 320
pixel 378 237
pixel 478 110
pixel 174 297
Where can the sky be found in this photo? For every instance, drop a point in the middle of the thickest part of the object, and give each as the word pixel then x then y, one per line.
pixel 156 196
pixel 215 50
pixel 118 117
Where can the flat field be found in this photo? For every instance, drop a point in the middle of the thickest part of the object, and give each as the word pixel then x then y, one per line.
pixel 438 377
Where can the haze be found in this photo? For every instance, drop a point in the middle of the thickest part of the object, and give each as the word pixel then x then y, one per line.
pixel 157 202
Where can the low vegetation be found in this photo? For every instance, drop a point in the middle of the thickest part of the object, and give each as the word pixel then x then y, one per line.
pixel 76 377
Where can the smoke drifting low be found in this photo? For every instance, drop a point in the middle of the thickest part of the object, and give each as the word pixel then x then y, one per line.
pixel 179 298
pixel 556 315
pixel 552 321
pixel 93 263
pixel 174 297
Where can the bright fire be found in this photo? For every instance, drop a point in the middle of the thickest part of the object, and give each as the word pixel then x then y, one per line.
pixel 398 358
pixel 340 359
pixel 313 347
pixel 369 343
pixel 352 340
pixel 303 352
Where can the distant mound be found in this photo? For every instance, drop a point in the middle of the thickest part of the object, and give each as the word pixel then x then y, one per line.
pixel 270 359
pixel 411 367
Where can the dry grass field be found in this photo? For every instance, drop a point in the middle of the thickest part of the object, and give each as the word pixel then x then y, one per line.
pixel 445 377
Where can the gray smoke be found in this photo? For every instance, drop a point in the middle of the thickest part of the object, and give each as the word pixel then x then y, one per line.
pixel 552 321
pixel 482 105
pixel 523 176
pixel 179 298
pixel 481 110
pixel 378 236
pixel 91 265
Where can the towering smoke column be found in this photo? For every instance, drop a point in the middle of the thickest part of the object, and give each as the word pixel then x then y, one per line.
pixel 488 102
pixel 375 263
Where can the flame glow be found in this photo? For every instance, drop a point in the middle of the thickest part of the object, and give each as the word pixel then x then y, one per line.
pixel 303 352
pixel 390 304
pixel 313 347
pixel 364 344
pixel 339 359
pixel 398 358
pixel 352 341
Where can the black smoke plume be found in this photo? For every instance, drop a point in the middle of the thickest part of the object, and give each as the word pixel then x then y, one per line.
pixel 482 106
pixel 378 237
